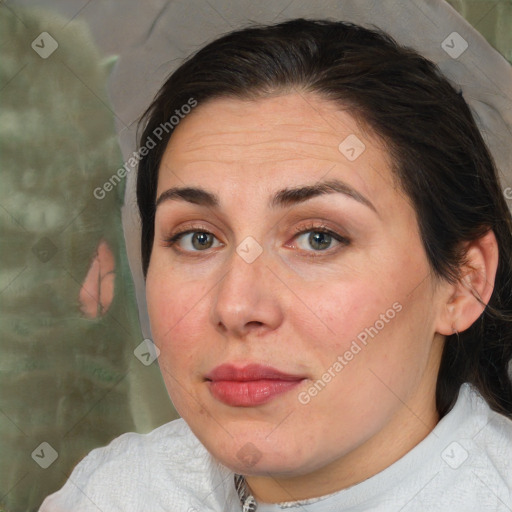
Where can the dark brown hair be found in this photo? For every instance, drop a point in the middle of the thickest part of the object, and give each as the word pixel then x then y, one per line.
pixel 439 157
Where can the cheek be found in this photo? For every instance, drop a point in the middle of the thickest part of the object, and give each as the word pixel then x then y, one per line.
pixel 177 316
pixel 345 310
pixel 371 320
pixel 176 312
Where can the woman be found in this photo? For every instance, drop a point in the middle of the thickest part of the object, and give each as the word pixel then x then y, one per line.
pixel 327 254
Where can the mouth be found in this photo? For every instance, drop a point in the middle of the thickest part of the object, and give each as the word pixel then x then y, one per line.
pixel 250 385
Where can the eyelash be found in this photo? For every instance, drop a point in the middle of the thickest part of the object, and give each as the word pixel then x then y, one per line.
pixel 344 241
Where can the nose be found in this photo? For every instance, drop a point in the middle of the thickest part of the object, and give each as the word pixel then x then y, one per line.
pixel 245 300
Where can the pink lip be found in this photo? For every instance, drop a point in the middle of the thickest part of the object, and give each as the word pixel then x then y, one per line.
pixel 250 385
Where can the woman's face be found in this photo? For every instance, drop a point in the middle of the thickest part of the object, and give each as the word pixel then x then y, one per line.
pixel 303 277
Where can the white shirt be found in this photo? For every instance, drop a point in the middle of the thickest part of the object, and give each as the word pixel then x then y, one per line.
pixel 464 464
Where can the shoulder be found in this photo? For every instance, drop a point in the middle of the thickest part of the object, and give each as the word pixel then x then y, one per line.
pixel 493 441
pixel 490 432
pixel 140 472
pixel 465 464
pixel 131 455
pixel 480 456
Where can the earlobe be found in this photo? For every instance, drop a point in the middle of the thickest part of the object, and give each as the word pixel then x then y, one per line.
pixel 469 296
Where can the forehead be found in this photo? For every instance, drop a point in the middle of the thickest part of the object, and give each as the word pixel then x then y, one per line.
pixel 294 139
pixel 291 125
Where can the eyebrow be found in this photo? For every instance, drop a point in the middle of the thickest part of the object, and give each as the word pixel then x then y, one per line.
pixel 284 197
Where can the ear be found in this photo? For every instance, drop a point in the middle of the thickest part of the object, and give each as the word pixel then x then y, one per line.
pixel 97 291
pixel 468 297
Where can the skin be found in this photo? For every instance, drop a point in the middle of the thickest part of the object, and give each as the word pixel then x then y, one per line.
pixel 294 311
pixel 97 290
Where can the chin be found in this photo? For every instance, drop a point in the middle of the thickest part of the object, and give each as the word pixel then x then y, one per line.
pixel 262 465
pixel 252 455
